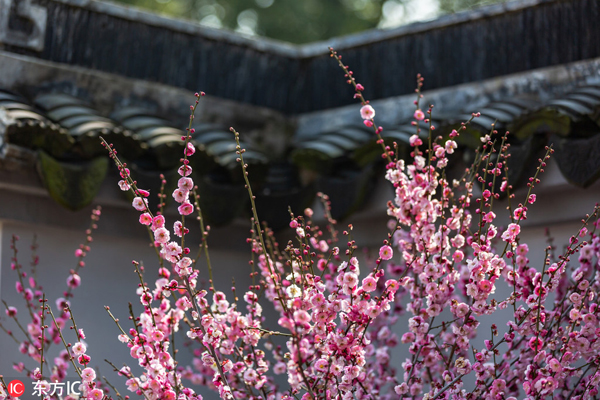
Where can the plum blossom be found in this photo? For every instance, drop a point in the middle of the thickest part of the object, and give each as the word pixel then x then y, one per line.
pixel 96 394
pixel 414 141
pixel 386 252
pixel 88 374
pixel 79 348
pixel 367 112
pixel 180 196
pixel 162 235
pixel 511 233
pixel 185 208
pixel 140 204
pixel 190 149
pixel 185 184
pixel 145 219
pixel 123 185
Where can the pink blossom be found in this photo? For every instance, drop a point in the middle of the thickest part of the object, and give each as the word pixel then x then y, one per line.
pixel 161 235
pixel 73 281
pixel 575 298
pixel 463 365
pixel 185 184
pixel 511 233
pixel 536 343
pixel 522 249
pixel 190 149
pixel 88 374
pixel 180 196
pixel 157 336
pixel 520 213
pixel 322 365
pixel 172 251
pixel 350 279
pixel 323 246
pixel 182 266
pixel 401 389
pixel 419 115
pixel 386 252
pixel 96 394
pixel 124 172
pixel 186 208
pixel 554 365
pixel 367 112
pixel 279 368
pixel 301 316
pixel 408 337
pixel 489 216
pixel 178 228
pixel 145 219
pixel 414 141
pixel 458 256
pixel 158 222
pixel 185 170
pixel 11 312
pixel 450 146
pixel 369 284
pixel 485 286
pixel 79 348
pixel 140 204
pixel 146 298
pixel 575 314
pixel 123 185
pixel 461 309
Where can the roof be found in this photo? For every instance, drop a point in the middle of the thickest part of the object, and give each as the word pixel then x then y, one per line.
pixel 58 95
pixel 481 44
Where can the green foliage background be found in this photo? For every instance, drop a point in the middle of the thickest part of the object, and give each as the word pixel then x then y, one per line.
pixel 295 21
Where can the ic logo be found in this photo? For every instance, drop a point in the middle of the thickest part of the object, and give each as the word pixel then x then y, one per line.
pixel 16 388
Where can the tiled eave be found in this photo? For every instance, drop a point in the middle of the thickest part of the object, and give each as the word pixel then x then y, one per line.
pixel 345 164
pixel 476 45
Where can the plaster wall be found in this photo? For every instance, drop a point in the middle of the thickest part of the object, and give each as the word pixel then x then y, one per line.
pixel 107 279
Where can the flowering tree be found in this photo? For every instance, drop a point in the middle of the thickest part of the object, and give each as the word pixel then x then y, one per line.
pixel 440 263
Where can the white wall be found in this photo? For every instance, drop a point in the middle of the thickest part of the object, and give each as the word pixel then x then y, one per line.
pixel 107 279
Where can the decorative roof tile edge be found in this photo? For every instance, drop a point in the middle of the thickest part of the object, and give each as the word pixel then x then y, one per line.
pixel 21 73
pixel 540 84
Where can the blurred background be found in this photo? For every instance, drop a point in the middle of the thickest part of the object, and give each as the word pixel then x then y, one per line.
pixel 303 21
